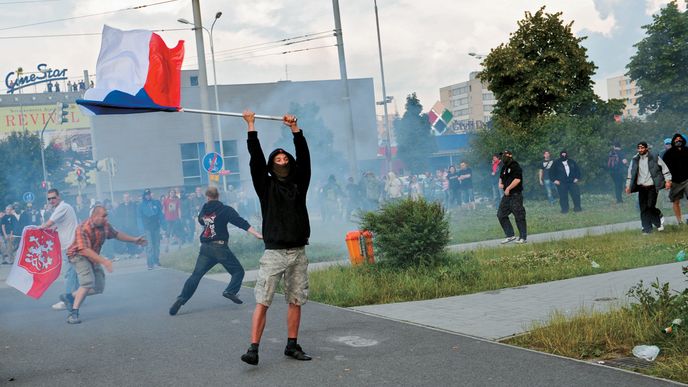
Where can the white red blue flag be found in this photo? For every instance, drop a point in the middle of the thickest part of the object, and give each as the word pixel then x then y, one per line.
pixel 38 262
pixel 136 73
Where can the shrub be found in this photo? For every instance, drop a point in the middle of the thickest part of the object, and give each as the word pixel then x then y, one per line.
pixel 409 232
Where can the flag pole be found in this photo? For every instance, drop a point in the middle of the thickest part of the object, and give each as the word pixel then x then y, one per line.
pixel 258 116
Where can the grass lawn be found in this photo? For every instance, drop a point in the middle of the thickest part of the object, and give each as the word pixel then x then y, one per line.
pixel 496 268
pixel 597 336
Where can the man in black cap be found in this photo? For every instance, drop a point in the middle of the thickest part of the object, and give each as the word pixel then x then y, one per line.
pixel 565 175
pixel 647 174
pixel 511 181
pixel 150 218
pixel 281 184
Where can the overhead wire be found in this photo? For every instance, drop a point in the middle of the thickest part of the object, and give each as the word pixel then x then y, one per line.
pixel 85 16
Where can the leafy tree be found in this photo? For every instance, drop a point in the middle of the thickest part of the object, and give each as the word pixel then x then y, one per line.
pixel 659 66
pixel 543 69
pixel 415 142
pixel 22 171
pixel 320 141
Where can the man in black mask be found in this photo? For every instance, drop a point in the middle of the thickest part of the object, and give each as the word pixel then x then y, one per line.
pixel 511 181
pixel 676 159
pixel 565 175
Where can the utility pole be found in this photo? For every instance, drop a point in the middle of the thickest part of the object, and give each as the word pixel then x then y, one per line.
pixel 202 78
pixel 351 144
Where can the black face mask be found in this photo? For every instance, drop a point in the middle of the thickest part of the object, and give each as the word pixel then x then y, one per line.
pixel 506 159
pixel 678 143
pixel 564 156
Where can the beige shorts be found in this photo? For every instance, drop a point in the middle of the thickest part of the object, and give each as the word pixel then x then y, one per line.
pixel 90 276
pixel 292 264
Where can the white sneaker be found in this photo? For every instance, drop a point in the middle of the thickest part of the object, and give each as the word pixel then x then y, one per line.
pixel 59 306
pixel 521 241
pixel 508 239
pixel 661 224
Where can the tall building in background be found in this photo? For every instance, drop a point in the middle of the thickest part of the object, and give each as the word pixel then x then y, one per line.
pixel 622 87
pixel 470 102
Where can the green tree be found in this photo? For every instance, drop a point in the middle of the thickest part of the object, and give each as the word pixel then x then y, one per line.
pixel 543 69
pixel 415 142
pixel 22 171
pixel 659 66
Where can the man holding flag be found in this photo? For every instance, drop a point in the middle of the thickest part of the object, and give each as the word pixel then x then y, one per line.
pixel 84 256
pixel 63 220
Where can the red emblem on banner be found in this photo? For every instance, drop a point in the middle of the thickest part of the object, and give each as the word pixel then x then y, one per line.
pixel 39 253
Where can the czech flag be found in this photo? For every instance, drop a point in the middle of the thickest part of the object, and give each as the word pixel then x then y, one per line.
pixel 136 73
pixel 38 262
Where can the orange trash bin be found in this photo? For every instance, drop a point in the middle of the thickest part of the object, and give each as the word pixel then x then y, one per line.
pixel 360 246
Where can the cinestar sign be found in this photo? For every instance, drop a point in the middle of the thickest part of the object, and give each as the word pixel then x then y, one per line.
pixel 15 81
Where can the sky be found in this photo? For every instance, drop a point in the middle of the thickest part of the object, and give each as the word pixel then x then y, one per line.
pixel 425 44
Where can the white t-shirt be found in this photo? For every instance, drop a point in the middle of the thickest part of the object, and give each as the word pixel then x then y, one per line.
pixel 65 221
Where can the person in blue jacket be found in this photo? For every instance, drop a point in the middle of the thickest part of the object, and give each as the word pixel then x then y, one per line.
pixel 150 219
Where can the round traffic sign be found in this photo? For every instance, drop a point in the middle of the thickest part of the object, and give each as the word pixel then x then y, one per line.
pixel 213 162
pixel 28 197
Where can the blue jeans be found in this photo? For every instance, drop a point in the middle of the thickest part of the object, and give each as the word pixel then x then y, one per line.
pixel 71 280
pixel 210 255
pixel 153 248
pixel 549 188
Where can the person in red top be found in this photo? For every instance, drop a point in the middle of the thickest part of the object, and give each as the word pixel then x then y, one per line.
pixel 84 256
pixel 172 210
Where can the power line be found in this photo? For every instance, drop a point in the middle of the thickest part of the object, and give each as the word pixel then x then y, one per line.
pixel 192 65
pixel 72 35
pixel 24 2
pixel 85 16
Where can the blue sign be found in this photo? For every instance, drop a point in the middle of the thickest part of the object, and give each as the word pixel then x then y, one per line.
pixel 213 162
pixel 28 197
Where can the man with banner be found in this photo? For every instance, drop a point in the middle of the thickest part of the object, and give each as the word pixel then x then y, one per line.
pixel 84 256
pixel 63 220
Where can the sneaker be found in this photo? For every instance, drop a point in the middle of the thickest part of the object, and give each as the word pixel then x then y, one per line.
pixel 646 233
pixel 521 241
pixel 661 224
pixel 73 318
pixel 68 300
pixel 175 307
pixel 60 305
pixel 296 352
pixel 235 299
pixel 250 357
pixel 508 239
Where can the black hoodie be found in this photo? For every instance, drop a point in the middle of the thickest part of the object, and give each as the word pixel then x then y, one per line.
pixel 676 159
pixel 282 201
pixel 214 217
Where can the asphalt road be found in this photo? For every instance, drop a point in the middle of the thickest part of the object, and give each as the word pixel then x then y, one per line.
pixel 128 339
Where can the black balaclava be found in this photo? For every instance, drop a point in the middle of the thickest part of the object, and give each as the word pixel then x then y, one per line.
pixel 280 172
pixel 507 157
pixel 678 141
pixel 564 155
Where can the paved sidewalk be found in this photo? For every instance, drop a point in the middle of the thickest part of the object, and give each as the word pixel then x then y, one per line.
pixel 497 314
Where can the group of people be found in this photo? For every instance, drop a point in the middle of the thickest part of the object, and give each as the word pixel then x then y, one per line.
pixel 646 173
pixel 13 219
pixel 76 86
pixel 281 183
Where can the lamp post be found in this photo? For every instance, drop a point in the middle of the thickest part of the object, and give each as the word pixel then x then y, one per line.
pixel 217 99
pixel 385 101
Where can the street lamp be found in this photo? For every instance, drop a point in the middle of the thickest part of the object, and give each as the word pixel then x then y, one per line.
pixel 217 100
pixel 385 99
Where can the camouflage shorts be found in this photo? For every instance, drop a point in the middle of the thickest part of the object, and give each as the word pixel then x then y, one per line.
pixel 292 264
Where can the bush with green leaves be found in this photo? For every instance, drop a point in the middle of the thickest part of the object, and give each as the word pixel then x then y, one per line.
pixel 409 232
pixel 659 302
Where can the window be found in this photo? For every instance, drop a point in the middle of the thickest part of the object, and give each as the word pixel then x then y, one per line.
pixel 487 108
pixel 192 162
pixel 488 96
pixel 193 80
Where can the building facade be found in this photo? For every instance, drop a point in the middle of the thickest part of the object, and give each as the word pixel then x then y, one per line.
pixel 622 87
pixel 470 102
